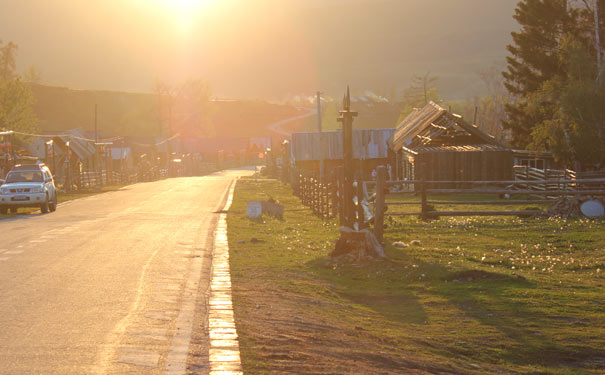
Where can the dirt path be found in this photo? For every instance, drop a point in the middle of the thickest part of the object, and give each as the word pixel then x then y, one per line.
pixel 276 127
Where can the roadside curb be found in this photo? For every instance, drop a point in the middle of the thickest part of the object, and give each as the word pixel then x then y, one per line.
pixel 224 354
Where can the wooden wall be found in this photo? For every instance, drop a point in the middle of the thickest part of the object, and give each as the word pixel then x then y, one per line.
pixel 464 166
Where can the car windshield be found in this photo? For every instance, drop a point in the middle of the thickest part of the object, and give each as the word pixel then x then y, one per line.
pixel 24 176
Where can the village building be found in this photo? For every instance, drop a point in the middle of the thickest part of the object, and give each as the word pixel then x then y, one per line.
pixel 323 152
pixel 434 144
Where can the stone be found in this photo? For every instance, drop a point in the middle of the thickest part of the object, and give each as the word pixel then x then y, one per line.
pixel 415 243
pixel 400 244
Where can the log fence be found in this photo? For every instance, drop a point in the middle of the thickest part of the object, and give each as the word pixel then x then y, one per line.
pixel 373 200
pixel 424 189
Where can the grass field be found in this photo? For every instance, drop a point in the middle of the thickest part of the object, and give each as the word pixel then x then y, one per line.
pixel 475 295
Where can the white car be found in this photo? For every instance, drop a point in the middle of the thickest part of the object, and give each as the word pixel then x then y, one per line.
pixel 28 186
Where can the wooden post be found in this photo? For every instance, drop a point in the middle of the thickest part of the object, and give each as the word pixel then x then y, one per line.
pixel 346 118
pixel 341 206
pixel 360 212
pixel 68 174
pixel 380 198
pixel 423 205
pixel 334 188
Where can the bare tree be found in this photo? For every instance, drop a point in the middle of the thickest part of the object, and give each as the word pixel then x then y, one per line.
pixel 8 51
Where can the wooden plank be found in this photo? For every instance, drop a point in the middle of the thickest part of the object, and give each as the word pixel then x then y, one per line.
pixel 531 192
pixel 380 204
pixel 503 182
pixel 485 213
pixel 477 203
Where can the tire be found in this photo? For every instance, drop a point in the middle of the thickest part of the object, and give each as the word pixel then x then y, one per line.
pixel 45 207
pixel 53 204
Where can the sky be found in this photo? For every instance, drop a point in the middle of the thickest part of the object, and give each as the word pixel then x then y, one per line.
pixel 259 48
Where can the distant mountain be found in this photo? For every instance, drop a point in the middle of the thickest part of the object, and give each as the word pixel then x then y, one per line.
pixel 136 114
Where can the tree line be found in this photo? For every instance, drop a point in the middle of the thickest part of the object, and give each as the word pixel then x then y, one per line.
pixel 555 77
pixel 551 94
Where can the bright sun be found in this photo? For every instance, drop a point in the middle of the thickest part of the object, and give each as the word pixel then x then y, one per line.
pixel 185 11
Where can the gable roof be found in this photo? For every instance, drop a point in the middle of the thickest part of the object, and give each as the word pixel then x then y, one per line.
pixel 435 126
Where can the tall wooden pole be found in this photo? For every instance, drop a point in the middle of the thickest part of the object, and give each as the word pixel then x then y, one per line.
pixel 346 118
pixel 319 111
pixel 321 159
pixel 598 40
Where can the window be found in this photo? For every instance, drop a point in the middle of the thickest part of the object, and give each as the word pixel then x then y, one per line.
pixel 532 163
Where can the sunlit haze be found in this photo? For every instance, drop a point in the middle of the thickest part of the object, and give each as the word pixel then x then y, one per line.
pixel 259 48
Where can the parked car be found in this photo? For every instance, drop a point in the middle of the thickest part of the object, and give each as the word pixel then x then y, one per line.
pixel 30 185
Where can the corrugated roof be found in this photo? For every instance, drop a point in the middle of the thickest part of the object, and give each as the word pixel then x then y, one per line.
pixel 460 148
pixel 423 126
pixel 367 144
pixel 83 149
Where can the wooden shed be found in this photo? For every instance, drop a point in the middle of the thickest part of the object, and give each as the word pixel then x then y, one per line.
pixel 370 150
pixel 433 144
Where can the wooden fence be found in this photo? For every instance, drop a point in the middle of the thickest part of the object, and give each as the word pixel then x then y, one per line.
pixel 543 179
pixel 547 191
pixel 322 198
pixel 531 187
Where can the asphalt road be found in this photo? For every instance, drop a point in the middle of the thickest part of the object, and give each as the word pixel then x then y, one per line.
pixel 103 284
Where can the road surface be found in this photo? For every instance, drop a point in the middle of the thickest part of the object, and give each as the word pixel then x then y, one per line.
pixel 106 283
pixel 276 127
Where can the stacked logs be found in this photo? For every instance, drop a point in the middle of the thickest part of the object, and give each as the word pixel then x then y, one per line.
pixel 565 207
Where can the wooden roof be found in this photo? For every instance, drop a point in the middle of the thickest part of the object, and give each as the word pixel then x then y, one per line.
pixel 433 126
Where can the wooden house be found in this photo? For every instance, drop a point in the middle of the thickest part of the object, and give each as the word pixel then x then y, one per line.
pixel 433 144
pixel 323 151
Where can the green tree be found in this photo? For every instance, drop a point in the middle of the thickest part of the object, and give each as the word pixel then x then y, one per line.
pixel 576 131
pixel 17 106
pixel 534 60
pixel 16 99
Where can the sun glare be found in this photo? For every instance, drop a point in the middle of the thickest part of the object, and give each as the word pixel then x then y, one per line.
pixel 186 11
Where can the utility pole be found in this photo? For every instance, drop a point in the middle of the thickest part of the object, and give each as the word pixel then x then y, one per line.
pixel 598 40
pixel 97 158
pixel 321 160
pixel 319 111
pixel 346 118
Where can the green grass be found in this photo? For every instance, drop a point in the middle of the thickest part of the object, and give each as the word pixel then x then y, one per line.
pixel 489 295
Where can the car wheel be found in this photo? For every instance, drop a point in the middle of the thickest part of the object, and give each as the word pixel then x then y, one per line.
pixel 53 205
pixel 45 207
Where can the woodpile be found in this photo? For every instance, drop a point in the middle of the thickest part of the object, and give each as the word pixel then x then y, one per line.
pixel 565 207
pixel 354 246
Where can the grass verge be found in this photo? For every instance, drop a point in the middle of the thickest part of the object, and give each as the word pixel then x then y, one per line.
pixel 476 295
